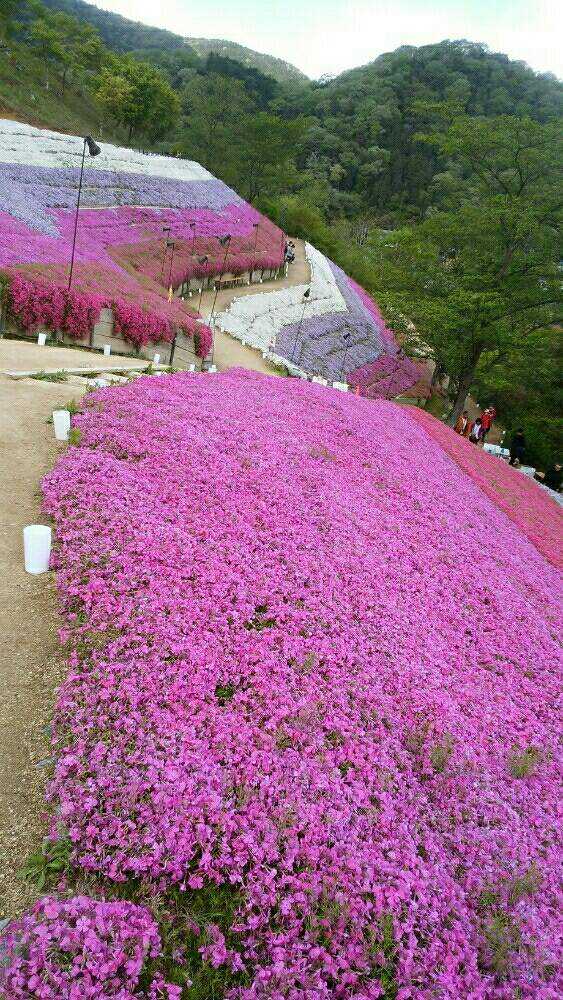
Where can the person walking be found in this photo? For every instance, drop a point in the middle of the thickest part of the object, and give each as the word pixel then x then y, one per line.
pixel 552 478
pixel 462 423
pixel 517 448
pixel 476 432
pixel 486 422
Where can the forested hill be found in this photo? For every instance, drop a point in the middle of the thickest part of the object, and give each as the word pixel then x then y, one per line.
pixel 281 71
pixel 122 35
pixel 364 125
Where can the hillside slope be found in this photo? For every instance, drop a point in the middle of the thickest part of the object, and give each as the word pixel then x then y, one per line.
pixel 280 70
pixel 123 35
pixel 311 701
pixel 151 223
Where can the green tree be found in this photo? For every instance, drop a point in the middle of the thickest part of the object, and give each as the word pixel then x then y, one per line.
pixel 478 281
pixel 67 43
pixel 137 96
pixel 268 150
pixel 216 109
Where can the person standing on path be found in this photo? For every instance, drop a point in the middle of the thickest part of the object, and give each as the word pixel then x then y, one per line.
pixel 475 434
pixel 486 423
pixel 517 448
pixel 462 423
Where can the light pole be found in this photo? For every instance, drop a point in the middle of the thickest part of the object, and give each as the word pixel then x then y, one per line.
pixel 165 229
pixel 94 150
pixel 225 242
pixel 255 226
pixel 346 338
pixel 201 260
pixel 306 295
pixel 170 244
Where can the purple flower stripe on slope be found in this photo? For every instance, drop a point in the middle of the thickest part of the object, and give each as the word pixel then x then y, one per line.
pixel 322 681
pixel 29 193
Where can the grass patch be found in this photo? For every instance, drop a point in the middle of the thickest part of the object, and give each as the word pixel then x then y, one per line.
pixel 522 765
pixel 43 376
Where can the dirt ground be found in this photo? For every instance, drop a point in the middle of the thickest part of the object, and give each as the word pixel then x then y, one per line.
pixel 30 661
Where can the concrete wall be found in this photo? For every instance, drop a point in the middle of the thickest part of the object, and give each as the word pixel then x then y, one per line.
pixel 184 354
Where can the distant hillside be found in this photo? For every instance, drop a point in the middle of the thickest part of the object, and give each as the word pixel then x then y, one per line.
pixel 117 32
pixel 282 71
pixel 123 35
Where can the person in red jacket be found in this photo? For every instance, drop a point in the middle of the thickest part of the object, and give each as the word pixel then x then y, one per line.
pixel 486 422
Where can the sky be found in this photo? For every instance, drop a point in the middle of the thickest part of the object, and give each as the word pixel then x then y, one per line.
pixel 330 36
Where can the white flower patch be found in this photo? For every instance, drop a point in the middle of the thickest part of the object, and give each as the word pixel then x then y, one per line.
pixel 23 144
pixel 259 318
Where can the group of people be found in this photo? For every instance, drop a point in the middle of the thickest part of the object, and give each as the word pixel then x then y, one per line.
pixel 478 429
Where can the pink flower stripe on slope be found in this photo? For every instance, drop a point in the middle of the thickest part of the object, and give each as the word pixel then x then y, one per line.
pixel 312 660
pixel 520 498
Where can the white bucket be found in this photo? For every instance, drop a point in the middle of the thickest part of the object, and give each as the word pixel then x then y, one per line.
pixel 61 423
pixel 107 350
pixel 156 359
pixel 37 548
pixel 41 339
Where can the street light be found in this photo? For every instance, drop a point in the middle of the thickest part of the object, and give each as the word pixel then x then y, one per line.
pixel 225 242
pixel 171 245
pixel 255 226
pixel 306 295
pixel 201 260
pixel 167 230
pixel 346 338
pixel 94 150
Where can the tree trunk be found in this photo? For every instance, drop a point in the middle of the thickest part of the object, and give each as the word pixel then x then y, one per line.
pixel 463 389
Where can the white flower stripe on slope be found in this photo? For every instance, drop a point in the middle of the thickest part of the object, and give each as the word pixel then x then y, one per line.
pixel 41 148
pixel 257 319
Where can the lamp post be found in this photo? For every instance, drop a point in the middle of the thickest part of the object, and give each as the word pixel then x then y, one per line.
pixel 165 229
pixel 201 260
pixel 225 242
pixel 94 150
pixel 255 226
pixel 306 295
pixel 346 339
pixel 172 246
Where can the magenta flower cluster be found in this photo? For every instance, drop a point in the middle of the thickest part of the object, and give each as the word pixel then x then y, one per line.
pixel 121 257
pixel 310 659
pixel 79 948
pixel 40 301
pixel 520 498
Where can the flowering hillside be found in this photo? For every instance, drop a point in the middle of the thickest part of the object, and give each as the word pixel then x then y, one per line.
pixel 531 508
pixel 131 203
pixel 337 331
pixel 313 672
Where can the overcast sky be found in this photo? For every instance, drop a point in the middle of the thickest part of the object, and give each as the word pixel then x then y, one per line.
pixel 329 36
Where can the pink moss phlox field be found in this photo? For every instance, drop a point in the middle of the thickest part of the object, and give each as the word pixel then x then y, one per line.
pixel 80 947
pixel 310 659
pixel 121 258
pixel 520 498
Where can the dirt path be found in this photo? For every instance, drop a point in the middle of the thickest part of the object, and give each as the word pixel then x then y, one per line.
pixel 30 662
pixel 228 351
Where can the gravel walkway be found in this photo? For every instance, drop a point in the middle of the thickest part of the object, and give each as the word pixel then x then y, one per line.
pixel 30 661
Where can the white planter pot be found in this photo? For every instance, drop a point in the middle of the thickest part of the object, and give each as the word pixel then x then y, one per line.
pixel 37 548
pixel 61 424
